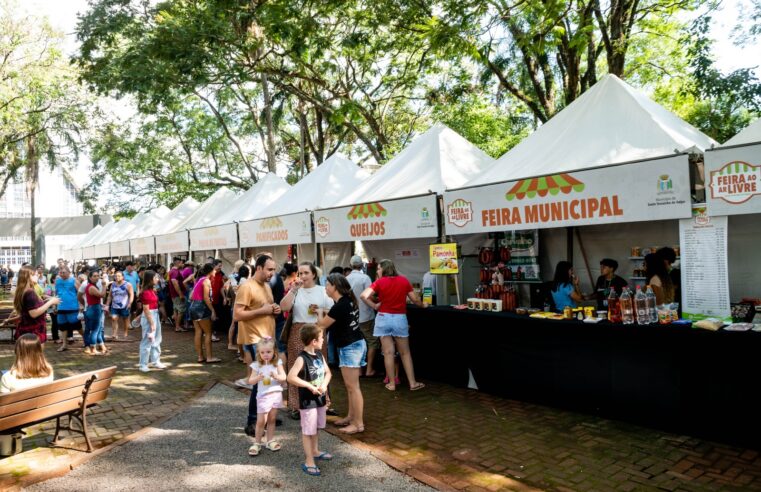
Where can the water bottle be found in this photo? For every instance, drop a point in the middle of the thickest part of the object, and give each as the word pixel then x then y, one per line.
pixel 627 310
pixel 614 308
pixel 640 306
pixel 652 310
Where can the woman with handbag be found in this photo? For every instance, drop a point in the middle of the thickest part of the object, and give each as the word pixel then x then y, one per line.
pixel 303 300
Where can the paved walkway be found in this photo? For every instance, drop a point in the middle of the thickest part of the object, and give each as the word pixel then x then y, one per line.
pixel 448 437
pixel 204 448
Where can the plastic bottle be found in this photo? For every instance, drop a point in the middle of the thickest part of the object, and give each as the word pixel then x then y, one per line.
pixel 614 308
pixel 640 306
pixel 627 309
pixel 652 310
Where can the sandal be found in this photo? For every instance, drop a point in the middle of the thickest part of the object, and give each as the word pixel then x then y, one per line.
pixel 62 348
pixel 273 446
pixel 417 386
pixel 385 380
pixel 342 422
pixel 213 361
pixel 310 470
pixel 255 449
pixel 391 387
pixel 324 456
pixel 352 430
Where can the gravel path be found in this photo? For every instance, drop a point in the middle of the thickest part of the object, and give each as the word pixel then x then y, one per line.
pixel 204 448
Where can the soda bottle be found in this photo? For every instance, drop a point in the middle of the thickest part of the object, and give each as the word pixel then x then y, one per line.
pixel 614 308
pixel 640 306
pixel 627 310
pixel 652 310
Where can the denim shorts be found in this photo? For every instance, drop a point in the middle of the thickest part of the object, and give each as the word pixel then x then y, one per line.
pixel 393 325
pixel 119 313
pixel 353 355
pixel 251 349
pixel 68 318
pixel 199 310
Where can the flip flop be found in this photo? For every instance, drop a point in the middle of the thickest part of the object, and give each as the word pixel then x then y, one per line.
pixel 341 423
pixel 213 361
pixel 390 388
pixel 324 456
pixel 418 386
pixel 310 470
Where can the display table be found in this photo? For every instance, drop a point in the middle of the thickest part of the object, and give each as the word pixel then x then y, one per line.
pixel 680 379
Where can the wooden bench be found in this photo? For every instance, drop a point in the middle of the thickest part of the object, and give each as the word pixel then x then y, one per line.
pixel 5 314
pixel 69 397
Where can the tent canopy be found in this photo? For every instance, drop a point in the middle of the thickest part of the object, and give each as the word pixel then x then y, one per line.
pixel 751 134
pixel 211 208
pixel 95 231
pixel 610 123
pixel 153 221
pixel 246 206
pixel 325 185
pixel 438 159
pixel 179 214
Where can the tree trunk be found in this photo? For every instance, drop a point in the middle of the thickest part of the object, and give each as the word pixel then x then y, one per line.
pixel 33 177
pixel 271 167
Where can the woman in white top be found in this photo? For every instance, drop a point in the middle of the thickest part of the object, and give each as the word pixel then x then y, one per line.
pixel 30 367
pixel 304 297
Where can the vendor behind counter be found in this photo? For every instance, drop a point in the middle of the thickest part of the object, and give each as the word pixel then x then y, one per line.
pixel 565 287
pixel 606 281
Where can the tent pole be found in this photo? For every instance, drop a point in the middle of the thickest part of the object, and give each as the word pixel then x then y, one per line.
pixel 584 256
pixel 569 244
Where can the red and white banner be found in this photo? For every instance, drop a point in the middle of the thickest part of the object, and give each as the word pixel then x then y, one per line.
pixel 733 180
pixel 120 248
pixel 142 246
pixel 275 231
pixel 214 237
pixel 657 189
pixel 175 242
pixel 403 218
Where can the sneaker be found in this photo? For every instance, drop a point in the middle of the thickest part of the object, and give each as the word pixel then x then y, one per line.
pixel 144 369
pixel 157 365
pixel 136 322
pixel 241 383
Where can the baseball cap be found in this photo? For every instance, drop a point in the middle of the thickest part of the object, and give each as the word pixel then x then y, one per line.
pixel 356 260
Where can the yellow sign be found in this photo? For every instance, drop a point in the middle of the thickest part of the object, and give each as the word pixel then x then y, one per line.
pixel 444 258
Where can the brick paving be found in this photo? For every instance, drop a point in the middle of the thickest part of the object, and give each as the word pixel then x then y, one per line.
pixel 451 438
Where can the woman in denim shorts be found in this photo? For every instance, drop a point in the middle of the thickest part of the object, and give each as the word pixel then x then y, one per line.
pixel 343 322
pixel 388 295
pixel 202 313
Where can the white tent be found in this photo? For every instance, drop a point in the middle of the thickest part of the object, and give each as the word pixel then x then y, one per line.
pixel 218 231
pixel 398 204
pixel 288 221
pixel 751 134
pixel 173 237
pixel 77 251
pixel 436 160
pixel 141 238
pixel 608 124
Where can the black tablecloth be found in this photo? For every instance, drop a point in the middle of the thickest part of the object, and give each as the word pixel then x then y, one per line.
pixel 677 378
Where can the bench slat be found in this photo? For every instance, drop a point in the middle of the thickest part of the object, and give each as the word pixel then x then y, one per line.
pixel 78 380
pixel 51 398
pixel 41 414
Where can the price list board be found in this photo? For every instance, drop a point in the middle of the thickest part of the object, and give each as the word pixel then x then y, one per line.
pixel 704 273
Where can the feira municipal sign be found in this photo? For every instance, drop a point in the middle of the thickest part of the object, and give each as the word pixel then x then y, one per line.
pixel 733 180
pixel 403 218
pixel 657 189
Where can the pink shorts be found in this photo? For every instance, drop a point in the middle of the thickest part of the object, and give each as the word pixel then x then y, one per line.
pixel 268 401
pixel 312 419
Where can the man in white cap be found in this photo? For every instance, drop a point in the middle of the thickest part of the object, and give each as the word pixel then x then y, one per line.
pixel 359 282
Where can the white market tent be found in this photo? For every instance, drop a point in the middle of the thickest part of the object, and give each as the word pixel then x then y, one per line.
pixel 610 123
pixel 733 189
pixel 751 134
pixel 168 237
pixel 141 240
pixel 287 220
pixel 217 230
pixel 398 204
pixel 76 251
pixel 570 160
pixel 118 240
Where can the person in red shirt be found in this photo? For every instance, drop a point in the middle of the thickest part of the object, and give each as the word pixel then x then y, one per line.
pixel 150 343
pixel 29 307
pixel 392 291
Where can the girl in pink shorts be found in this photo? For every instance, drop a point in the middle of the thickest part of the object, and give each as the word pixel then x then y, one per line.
pixel 268 374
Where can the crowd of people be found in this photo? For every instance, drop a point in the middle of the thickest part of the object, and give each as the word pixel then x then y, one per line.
pixel 288 324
